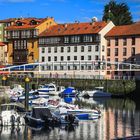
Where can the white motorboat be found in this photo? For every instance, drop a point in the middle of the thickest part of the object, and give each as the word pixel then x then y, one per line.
pixel 16 91
pixel 39 101
pixel 50 89
pixel 81 113
pixel 10 115
pixel 97 92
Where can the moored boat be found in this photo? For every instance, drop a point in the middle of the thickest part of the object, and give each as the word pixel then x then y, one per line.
pixel 97 92
pixel 69 92
pixel 10 115
pixel 50 89
pixel 42 116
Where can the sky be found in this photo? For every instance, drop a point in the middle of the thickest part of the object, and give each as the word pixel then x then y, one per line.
pixel 63 11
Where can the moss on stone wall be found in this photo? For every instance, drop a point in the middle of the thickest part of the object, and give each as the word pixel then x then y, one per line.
pixel 112 86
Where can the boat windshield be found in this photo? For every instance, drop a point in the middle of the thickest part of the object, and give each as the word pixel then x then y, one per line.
pixel 99 88
pixel 7 107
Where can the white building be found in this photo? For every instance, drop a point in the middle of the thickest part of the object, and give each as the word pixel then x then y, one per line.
pixel 74 46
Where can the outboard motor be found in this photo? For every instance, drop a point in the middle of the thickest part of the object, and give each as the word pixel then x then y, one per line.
pixel 70 118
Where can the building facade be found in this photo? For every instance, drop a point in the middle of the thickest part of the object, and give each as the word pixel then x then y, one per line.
pixel 75 42
pixel 3 53
pixel 22 39
pixel 123 45
pixel 3 24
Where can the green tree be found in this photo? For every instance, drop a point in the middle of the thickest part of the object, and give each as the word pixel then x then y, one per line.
pixel 118 13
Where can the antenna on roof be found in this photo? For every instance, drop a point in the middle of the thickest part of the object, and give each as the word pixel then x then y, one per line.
pixel 94 19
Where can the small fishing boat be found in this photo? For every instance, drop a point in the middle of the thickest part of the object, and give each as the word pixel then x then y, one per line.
pixel 42 116
pixel 97 92
pixel 50 89
pixel 10 115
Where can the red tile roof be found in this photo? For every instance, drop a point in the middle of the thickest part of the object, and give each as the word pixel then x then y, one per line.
pixel 8 20
pixel 125 30
pixel 26 24
pixel 2 44
pixel 74 29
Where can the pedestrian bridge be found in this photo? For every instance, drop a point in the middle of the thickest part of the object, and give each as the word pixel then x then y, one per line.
pixel 72 68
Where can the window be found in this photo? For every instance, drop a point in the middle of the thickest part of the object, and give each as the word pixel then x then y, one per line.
pixel 43 59
pixel 116 51
pixel 133 41
pixel 55 58
pixel 49 49
pixel 66 39
pixel 61 58
pixel 87 38
pixel 75 57
pixel 116 41
pixel 89 57
pixel 32 45
pixel 49 58
pixel 82 57
pixel 103 57
pixel 133 51
pixel 124 41
pixel 43 50
pixel 68 49
pixel 108 42
pixel 75 39
pixel 124 60
pixel 96 48
pixel 68 67
pixel 75 67
pixel 43 68
pixel 89 48
pixel 108 59
pixel 116 59
pixel 68 57
pixel 96 57
pixel 62 49
pixel 75 48
pixel 103 48
pixel 108 51
pixel 82 48
pixel 55 67
pixel 124 51
pixel 52 40
pixel 55 49
pixel 61 68
pixel 82 67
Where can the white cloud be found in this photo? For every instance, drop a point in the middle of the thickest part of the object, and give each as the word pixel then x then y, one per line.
pixel 16 1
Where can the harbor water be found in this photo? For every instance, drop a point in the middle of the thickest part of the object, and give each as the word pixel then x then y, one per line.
pixel 120 118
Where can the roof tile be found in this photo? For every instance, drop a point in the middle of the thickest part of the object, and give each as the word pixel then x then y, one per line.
pixel 74 29
pixel 125 30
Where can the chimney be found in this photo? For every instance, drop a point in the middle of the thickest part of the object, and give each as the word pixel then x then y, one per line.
pixel 65 25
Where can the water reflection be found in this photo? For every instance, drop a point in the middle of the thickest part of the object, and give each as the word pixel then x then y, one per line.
pixel 119 119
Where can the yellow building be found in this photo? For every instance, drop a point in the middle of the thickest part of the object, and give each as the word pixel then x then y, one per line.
pixel 22 39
